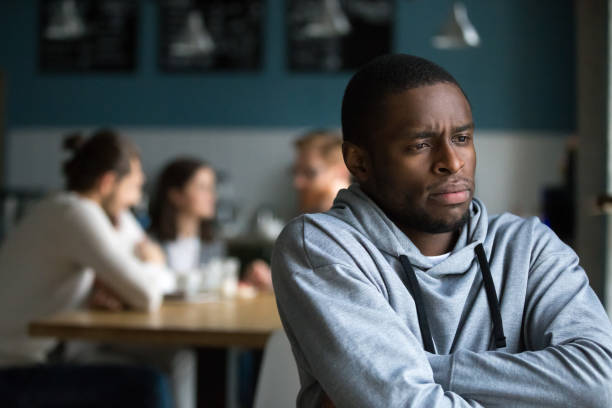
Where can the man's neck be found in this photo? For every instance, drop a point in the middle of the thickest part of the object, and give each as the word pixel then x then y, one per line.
pixel 432 244
pixel 99 199
pixel 91 195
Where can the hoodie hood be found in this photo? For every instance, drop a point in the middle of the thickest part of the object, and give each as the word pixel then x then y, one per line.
pixel 431 286
pixel 355 208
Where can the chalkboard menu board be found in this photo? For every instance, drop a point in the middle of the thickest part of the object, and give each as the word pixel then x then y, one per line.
pixel 201 35
pixel 88 35
pixel 334 35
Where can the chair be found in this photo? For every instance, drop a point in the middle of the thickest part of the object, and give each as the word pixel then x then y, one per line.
pixel 278 384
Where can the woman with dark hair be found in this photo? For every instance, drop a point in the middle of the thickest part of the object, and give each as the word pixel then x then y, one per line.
pixel 182 213
pixel 182 218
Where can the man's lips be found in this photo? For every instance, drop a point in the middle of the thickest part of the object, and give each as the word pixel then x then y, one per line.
pixel 450 195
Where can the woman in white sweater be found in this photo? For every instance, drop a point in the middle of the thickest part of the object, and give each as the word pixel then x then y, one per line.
pixel 71 239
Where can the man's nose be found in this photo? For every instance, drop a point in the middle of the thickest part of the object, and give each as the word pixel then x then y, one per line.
pixel 448 161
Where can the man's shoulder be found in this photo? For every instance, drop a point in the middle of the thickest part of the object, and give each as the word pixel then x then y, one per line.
pixel 307 226
pixel 321 237
pixel 62 207
pixel 510 223
pixel 528 235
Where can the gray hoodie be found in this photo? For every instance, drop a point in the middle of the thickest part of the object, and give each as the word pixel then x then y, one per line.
pixel 353 325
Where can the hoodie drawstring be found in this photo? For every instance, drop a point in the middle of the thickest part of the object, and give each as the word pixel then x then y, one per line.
pixel 415 289
pixel 498 327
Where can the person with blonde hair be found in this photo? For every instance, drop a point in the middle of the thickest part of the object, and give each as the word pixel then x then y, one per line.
pixel 319 170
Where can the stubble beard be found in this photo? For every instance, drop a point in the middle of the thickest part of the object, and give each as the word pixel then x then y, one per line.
pixel 420 220
pixel 416 218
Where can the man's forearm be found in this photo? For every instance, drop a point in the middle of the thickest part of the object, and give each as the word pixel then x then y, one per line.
pixel 574 374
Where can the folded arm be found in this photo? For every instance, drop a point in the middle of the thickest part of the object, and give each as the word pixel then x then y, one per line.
pixel 92 242
pixel 568 342
pixel 345 334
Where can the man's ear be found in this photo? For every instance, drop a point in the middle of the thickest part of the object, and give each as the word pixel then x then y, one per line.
pixel 107 182
pixel 357 161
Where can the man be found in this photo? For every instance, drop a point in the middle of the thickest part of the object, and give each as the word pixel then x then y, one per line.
pixel 406 293
pixel 83 245
pixel 70 239
pixel 319 171
pixel 318 174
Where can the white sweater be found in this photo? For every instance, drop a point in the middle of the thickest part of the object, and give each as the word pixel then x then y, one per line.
pixel 47 265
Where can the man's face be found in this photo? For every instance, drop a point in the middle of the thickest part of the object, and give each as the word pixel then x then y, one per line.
pixel 126 191
pixel 423 159
pixel 312 178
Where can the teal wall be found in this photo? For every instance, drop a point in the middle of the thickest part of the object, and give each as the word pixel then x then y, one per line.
pixel 522 77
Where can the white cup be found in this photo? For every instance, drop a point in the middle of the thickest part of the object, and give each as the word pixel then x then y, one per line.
pixel 188 283
pixel 212 275
pixel 229 283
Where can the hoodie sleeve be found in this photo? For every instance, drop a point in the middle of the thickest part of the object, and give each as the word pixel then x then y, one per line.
pixel 567 335
pixel 347 341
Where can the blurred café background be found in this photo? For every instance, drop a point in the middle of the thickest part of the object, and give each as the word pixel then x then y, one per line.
pixel 236 82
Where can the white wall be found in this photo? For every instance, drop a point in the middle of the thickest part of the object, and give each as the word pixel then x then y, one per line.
pixel 258 161
pixel 513 167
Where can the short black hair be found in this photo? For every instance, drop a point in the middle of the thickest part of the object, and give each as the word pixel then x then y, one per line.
pixel 385 75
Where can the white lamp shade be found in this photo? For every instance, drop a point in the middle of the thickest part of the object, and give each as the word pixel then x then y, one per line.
pixel 458 31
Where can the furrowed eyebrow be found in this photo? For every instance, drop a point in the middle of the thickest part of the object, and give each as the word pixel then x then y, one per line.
pixel 428 133
pixel 424 134
pixel 469 126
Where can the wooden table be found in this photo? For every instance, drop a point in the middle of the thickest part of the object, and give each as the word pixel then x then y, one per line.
pixel 215 323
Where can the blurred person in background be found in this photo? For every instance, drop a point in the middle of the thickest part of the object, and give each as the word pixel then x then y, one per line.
pixel 83 247
pixel 182 211
pixel 71 239
pixel 319 171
